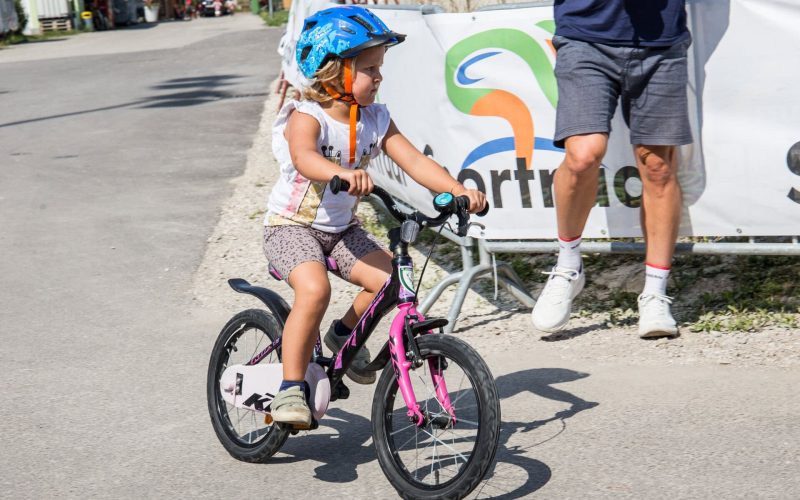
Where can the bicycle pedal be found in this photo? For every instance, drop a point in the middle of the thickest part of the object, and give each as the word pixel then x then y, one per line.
pixel 295 428
pixel 341 391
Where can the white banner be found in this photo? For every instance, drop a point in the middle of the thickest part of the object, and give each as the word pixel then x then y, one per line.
pixel 477 93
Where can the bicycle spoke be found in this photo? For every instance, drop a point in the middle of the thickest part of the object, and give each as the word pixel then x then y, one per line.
pixel 446 446
pixel 440 452
pixel 400 448
pixel 246 343
pixel 476 424
pixel 404 428
pixel 433 460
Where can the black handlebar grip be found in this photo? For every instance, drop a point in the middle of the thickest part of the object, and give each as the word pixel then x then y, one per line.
pixel 337 184
pixel 464 202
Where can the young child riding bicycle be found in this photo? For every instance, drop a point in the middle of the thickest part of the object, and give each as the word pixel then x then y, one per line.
pixel 334 131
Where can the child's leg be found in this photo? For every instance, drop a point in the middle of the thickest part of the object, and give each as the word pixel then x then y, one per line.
pixel 297 253
pixel 370 273
pixel 362 260
pixel 312 292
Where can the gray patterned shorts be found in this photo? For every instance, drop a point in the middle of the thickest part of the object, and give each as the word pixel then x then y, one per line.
pixel 286 247
pixel 649 82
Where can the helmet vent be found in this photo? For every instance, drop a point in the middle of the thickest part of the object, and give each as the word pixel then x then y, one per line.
pixel 309 25
pixel 360 20
pixel 304 53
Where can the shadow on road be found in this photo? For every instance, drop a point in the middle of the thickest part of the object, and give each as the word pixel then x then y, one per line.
pixel 342 451
pixel 194 91
pixel 572 333
pixel 515 475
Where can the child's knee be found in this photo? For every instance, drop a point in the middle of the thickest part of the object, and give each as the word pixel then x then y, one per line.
pixel 376 281
pixel 317 291
pixel 313 290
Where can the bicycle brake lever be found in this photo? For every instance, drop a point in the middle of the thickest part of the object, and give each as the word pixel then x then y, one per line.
pixel 394 238
pixel 463 224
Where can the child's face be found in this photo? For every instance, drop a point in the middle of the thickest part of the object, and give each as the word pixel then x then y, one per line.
pixel 368 75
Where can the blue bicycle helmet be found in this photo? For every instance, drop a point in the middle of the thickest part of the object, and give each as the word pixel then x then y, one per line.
pixel 340 31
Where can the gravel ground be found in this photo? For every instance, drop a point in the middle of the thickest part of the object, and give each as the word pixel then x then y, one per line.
pixel 491 325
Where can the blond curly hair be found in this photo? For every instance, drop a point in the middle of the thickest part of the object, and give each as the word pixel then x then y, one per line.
pixel 332 74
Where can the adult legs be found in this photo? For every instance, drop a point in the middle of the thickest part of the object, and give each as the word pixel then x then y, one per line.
pixel 575 182
pixel 661 201
pixel 660 216
pixel 575 186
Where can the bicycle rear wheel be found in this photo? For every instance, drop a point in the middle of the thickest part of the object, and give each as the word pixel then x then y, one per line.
pixel 439 459
pixel 243 432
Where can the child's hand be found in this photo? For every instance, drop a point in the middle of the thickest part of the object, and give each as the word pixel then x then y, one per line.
pixel 359 180
pixel 477 200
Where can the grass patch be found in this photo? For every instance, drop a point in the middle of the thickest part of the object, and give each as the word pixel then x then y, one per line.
pixel 278 18
pixel 18 38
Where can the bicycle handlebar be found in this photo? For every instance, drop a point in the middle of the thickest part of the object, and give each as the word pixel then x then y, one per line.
pixel 460 207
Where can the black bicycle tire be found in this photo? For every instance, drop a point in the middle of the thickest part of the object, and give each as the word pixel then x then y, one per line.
pixel 262 451
pixel 488 432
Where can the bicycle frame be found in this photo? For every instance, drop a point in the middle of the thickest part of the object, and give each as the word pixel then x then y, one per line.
pixel 398 291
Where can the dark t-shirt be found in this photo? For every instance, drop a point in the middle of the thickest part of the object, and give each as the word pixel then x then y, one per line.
pixel 649 23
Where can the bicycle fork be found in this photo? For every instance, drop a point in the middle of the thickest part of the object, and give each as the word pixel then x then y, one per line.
pixel 400 353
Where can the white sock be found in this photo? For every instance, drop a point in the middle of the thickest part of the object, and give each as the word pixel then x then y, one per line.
pixel 569 253
pixel 655 280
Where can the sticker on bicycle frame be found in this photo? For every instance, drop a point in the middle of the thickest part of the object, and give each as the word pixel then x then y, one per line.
pixel 406 274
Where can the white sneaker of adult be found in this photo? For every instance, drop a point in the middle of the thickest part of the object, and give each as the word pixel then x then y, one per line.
pixel 554 304
pixel 655 318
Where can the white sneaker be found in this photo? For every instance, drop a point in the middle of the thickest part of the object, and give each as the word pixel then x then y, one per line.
pixel 655 318
pixel 290 407
pixel 554 305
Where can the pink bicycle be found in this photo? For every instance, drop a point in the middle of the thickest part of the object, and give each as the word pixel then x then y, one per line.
pixel 435 414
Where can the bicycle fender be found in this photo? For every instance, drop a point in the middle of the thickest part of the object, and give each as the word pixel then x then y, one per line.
pixel 274 302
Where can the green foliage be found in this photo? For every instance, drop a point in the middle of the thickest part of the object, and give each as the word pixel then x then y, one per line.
pixel 734 320
pixel 15 38
pixel 21 16
pixel 278 18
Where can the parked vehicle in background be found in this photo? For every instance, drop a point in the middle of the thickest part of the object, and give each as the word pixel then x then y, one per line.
pixel 208 8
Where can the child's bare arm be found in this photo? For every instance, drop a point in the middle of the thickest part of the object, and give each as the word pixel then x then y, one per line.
pixel 426 171
pixel 302 132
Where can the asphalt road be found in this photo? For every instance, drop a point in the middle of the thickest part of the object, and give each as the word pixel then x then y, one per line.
pixel 116 154
pixel 117 149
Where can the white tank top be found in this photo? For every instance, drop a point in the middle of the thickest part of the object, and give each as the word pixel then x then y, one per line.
pixel 297 200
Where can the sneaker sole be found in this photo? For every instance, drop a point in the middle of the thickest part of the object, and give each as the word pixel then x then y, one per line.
pixel 552 329
pixel 297 418
pixel 560 326
pixel 654 334
pixel 351 374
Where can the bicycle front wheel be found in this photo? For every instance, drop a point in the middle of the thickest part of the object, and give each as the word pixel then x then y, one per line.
pixel 444 458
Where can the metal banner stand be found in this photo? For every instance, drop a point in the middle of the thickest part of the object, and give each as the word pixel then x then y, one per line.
pixel 504 273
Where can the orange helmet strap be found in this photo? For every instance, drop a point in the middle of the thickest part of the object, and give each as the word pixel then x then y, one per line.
pixel 349 66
